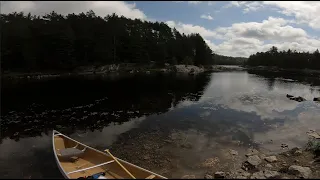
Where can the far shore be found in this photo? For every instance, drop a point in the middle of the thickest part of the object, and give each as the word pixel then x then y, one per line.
pixel 148 69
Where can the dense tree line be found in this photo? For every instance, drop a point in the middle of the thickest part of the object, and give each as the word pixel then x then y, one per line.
pixel 57 42
pixel 228 60
pixel 285 59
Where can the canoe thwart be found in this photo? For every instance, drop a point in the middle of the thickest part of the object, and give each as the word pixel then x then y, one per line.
pixel 84 169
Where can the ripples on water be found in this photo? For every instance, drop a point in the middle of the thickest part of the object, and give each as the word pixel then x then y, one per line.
pixel 210 111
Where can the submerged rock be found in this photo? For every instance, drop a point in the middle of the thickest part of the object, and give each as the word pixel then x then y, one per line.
pixel 188 177
pixel 252 152
pixel 302 172
pixel 233 152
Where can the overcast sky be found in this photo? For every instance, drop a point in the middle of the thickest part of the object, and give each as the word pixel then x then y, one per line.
pixel 234 28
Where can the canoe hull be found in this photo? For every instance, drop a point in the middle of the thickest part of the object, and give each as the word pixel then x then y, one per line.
pixel 93 161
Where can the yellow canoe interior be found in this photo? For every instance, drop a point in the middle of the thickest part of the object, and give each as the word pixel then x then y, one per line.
pixel 93 161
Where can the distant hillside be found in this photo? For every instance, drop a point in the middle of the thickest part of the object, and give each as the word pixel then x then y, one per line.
pixel 228 60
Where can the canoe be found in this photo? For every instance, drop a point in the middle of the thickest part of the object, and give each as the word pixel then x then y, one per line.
pixel 79 161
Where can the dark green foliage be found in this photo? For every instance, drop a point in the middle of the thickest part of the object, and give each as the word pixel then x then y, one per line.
pixel 56 42
pixel 285 59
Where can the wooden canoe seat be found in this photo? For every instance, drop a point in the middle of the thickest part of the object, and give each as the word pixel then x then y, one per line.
pixel 151 176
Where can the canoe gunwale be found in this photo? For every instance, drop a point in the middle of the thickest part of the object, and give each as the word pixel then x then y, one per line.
pixel 65 173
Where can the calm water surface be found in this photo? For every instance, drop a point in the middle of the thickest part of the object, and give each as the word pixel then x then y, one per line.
pixel 211 111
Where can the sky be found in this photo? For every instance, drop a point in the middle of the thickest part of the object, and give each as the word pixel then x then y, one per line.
pixel 231 28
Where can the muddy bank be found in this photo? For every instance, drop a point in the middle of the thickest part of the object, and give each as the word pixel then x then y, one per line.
pixel 164 153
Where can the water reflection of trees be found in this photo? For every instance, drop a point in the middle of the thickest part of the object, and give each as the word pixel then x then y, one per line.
pixel 312 79
pixel 91 104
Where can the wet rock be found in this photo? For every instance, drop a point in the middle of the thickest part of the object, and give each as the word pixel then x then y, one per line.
pixel 313 134
pixel 258 175
pixel 252 152
pixel 188 177
pixel 254 160
pixel 247 166
pixel 271 174
pixel 241 177
pixel 233 152
pixel 268 166
pixel 284 146
pixel 219 175
pixel 297 152
pixel 299 99
pixel 271 159
pixel 302 172
pixel 208 176
pixel 316 99
pixel 243 174
pixel 289 96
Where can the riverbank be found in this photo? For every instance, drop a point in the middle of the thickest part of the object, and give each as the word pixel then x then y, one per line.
pixel 114 68
pixel 277 69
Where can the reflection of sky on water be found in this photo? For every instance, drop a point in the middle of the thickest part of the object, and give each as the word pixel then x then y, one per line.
pixel 266 98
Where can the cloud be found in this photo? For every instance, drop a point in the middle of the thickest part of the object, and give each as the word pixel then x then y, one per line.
pixel 101 8
pixel 306 12
pixel 208 17
pixel 246 38
pixel 247 5
pixel 271 29
pixel 194 2
pixel 190 28
pixel 211 3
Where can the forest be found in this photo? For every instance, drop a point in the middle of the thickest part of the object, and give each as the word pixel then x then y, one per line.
pixel 285 59
pixel 228 60
pixel 62 43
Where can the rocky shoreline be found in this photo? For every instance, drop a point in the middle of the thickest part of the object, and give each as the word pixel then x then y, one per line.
pixel 114 69
pixel 153 150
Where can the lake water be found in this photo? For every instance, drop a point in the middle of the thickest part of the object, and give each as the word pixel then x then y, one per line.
pixel 169 124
